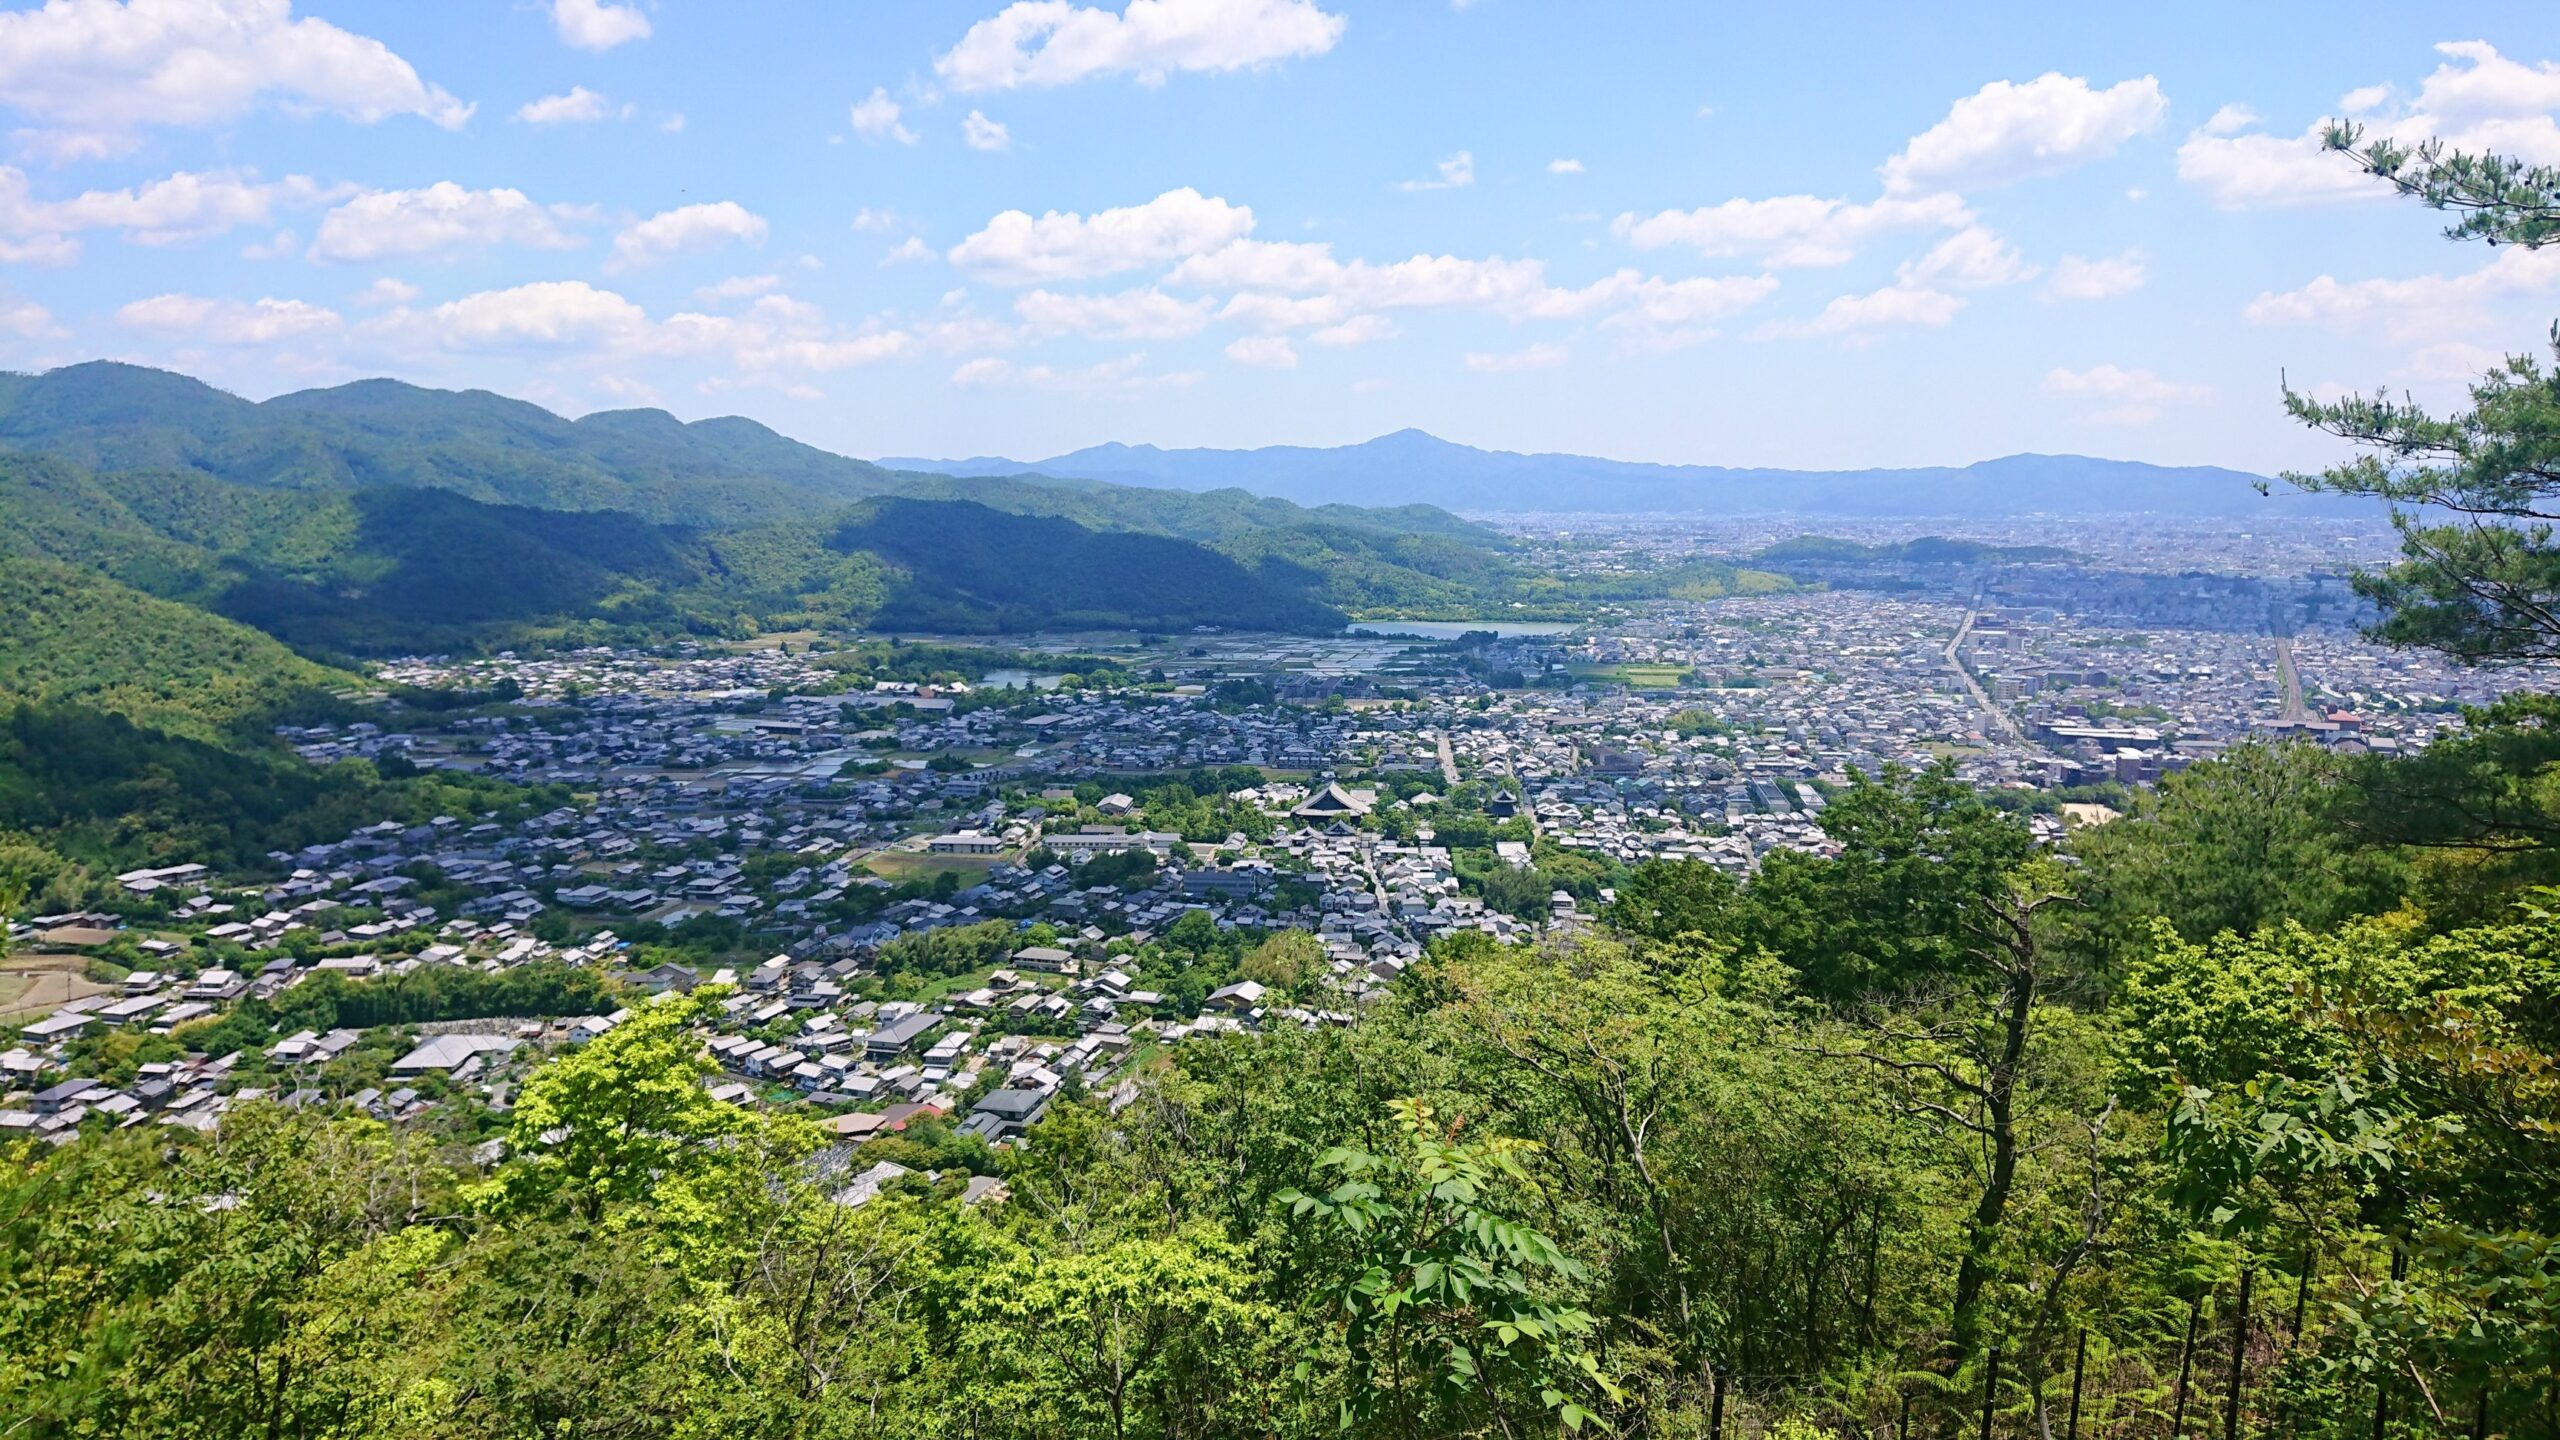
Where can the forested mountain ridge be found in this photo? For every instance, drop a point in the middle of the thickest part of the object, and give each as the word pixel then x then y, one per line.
pixel 379 517
pixel 389 569
pixel 108 416
pixel 1412 466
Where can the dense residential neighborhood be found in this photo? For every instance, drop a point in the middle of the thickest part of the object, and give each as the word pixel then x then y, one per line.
pixel 949 896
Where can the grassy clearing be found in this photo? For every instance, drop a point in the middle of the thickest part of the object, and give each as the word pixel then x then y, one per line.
pixel 1636 676
pixel 36 984
pixel 900 866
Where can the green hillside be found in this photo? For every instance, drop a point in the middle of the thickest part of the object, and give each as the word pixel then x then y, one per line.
pixel 396 569
pixel 76 636
pixel 106 417
pixel 138 730
pixel 963 566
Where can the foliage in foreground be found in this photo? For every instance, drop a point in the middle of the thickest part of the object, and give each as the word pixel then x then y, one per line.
pixel 1832 1136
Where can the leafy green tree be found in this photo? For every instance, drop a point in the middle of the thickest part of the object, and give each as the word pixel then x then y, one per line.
pixel 1447 1304
pixel 1114 1335
pixel 1288 961
pixel 1666 899
pixel 618 1120
pixel 2243 842
pixel 1923 865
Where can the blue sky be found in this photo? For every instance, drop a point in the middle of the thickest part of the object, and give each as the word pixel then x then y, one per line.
pixel 1797 235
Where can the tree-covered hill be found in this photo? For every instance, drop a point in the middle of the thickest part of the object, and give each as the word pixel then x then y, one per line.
pixel 74 635
pixel 965 567
pixel 390 569
pixel 109 416
pixel 1926 550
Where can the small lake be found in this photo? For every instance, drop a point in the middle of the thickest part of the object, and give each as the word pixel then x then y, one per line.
pixel 1019 680
pixel 1452 629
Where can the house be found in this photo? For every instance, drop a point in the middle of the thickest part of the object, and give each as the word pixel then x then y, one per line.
pixel 891 1040
pixel 865 1187
pixel 965 842
pixel 445 1052
pixel 1005 1114
pixel 1242 996
pixel 54 1099
pixel 217 984
pixel 1045 958
pixel 659 979
pixel 304 1047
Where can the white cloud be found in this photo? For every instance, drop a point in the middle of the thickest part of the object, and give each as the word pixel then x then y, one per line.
pixel 387 291
pixel 1266 311
pixel 1267 352
pixel 226 322
pixel 97 72
pixel 687 230
pixel 1123 377
pixel 1667 314
pixel 274 247
pixel 1053 42
pixel 546 315
pixel 578 106
pixel 2481 100
pixel 1516 288
pixel 868 220
pixel 2129 397
pixel 179 207
pixel 1015 249
pixel 2476 100
pixel 441 218
pixel 1859 316
pixel 875 117
pixel 1358 330
pixel 2452 360
pixel 981 133
pixel 594 25
pixel 2423 308
pixel 777 337
pixel 2076 277
pixel 673 124
pixel 24 319
pixel 908 251
pixel 1535 357
pixel 38 249
pixel 1284 285
pixel 738 287
pixel 1791 230
pixel 1456 173
pixel 1148 314
pixel 1564 167
pixel 2231 119
pixel 1971 259
pixel 2006 132
pixel 2257 171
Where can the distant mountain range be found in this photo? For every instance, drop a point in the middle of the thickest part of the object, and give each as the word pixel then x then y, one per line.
pixel 385 518
pixel 1412 467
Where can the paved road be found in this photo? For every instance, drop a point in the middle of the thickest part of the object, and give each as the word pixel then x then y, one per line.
pixel 2289 682
pixel 1448 761
pixel 1981 700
